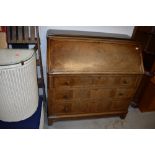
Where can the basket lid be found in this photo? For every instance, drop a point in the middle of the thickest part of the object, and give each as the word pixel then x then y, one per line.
pixel 14 56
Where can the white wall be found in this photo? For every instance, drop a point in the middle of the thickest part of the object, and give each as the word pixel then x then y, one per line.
pixel 124 30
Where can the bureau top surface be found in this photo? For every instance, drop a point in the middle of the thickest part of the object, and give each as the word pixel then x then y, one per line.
pixel 54 32
pixel 86 55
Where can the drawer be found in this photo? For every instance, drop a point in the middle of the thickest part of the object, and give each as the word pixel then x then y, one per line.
pixel 80 106
pixel 59 107
pixel 105 81
pixel 87 106
pixel 64 94
pixel 72 81
pixel 127 81
pixel 124 93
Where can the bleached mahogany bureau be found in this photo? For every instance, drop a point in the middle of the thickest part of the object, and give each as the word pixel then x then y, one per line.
pixel 91 76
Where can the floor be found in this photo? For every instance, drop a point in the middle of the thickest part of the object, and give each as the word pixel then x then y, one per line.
pixel 134 120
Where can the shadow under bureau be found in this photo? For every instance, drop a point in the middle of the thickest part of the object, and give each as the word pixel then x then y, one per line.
pixel 90 76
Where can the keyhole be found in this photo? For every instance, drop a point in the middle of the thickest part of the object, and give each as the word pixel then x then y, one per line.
pixel 125 82
pixel 67 82
pixel 65 96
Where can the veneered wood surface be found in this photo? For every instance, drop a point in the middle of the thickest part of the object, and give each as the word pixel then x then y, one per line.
pixel 77 55
pixel 90 94
pixel 91 77
pixel 106 81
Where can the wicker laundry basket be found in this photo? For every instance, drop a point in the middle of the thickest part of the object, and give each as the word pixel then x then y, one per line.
pixel 18 84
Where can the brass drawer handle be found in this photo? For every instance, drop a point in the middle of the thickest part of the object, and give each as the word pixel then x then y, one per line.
pixel 120 94
pixel 65 97
pixel 125 82
pixel 67 82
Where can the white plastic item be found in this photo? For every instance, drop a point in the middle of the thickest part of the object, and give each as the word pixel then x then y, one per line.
pixel 18 84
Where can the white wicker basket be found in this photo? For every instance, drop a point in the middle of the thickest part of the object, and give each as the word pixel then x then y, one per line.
pixel 18 84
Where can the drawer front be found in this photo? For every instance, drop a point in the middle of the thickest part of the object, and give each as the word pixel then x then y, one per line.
pixel 87 106
pixel 72 81
pixel 80 106
pixel 91 93
pixel 105 81
pixel 59 107
pixel 63 94
pixel 124 93
pixel 127 81
pixel 85 93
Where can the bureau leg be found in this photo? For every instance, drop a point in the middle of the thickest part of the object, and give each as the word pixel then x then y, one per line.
pixel 123 116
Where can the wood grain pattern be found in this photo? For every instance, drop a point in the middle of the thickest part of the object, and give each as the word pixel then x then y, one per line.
pixel 22 34
pixel 32 33
pixel 90 77
pixel 87 56
pixel 26 33
pixel 14 34
pixel 94 80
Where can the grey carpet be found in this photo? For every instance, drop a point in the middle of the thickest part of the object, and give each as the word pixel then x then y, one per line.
pixel 134 120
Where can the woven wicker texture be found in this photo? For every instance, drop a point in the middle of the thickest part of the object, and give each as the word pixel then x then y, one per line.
pixel 18 91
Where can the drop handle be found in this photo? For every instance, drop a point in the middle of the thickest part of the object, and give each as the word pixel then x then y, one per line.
pixel 120 94
pixel 67 82
pixel 125 82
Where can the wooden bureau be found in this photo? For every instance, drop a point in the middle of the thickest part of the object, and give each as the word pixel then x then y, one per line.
pixel 90 76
